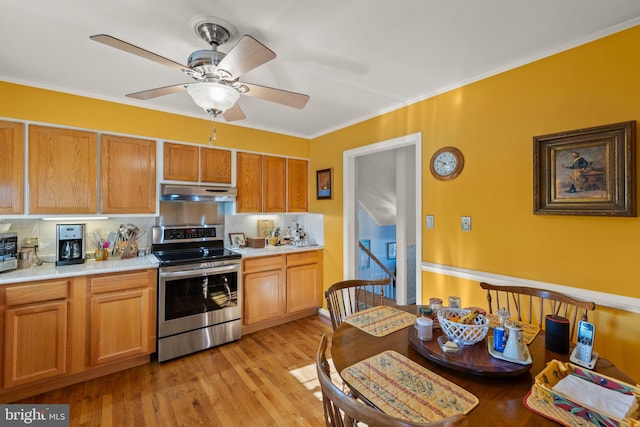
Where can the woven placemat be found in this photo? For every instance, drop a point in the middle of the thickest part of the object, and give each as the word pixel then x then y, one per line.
pixel 381 320
pixel 529 331
pixel 551 411
pixel 400 387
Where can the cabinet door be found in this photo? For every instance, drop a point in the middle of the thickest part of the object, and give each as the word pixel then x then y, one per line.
pixel 264 296
pixel 249 179
pixel 63 166
pixel 11 167
pixel 298 180
pixel 127 175
pixel 302 287
pixel 35 343
pixel 120 325
pixel 275 184
pixel 215 165
pixel 180 162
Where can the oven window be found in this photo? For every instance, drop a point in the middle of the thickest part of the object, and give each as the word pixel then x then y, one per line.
pixel 196 295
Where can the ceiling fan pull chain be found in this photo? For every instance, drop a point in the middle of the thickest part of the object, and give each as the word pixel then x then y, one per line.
pixel 213 136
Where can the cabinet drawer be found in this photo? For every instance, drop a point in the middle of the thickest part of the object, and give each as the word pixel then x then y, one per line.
pixel 119 282
pixel 38 292
pixel 263 263
pixel 309 257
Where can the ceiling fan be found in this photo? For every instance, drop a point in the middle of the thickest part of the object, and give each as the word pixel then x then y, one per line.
pixel 217 87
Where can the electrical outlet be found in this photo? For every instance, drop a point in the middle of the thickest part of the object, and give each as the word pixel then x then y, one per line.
pixel 31 242
pixel 466 223
pixel 429 221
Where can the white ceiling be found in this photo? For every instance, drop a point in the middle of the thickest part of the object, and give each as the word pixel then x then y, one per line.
pixel 355 58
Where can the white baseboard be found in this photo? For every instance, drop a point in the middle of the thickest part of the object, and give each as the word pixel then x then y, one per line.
pixel 599 298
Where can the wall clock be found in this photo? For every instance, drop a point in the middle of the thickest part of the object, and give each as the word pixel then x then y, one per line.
pixel 447 163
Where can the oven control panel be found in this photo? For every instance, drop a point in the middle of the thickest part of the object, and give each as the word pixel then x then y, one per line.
pixel 176 234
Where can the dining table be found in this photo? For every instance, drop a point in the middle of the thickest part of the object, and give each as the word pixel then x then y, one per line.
pixel 500 393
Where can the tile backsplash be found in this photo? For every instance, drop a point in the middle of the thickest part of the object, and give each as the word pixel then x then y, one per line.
pixel 45 231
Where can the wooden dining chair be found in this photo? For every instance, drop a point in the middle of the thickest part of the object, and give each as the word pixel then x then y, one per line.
pixel 342 410
pixel 351 296
pixel 531 305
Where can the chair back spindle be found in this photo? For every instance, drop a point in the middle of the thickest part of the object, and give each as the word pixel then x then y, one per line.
pixel 351 296
pixel 531 305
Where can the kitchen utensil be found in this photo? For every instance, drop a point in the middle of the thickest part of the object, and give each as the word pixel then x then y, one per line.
pixel 111 239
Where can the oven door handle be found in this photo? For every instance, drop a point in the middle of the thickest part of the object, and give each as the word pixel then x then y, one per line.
pixel 228 289
pixel 203 272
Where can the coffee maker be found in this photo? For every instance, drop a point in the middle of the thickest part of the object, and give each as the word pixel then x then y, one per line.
pixel 70 243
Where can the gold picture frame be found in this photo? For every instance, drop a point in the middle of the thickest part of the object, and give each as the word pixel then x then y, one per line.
pixel 586 171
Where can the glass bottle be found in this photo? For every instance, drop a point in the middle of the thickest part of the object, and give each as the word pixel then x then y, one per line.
pixel 435 304
pixel 454 302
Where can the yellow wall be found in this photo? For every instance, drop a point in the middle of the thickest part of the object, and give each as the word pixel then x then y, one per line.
pixel 32 104
pixel 493 122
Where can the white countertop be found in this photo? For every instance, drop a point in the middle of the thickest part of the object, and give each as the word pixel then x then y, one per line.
pixel 49 270
pixel 274 250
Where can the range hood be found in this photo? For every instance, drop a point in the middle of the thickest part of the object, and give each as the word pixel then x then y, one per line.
pixel 197 193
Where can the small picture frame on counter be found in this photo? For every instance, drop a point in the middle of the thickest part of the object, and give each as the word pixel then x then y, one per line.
pixel 237 240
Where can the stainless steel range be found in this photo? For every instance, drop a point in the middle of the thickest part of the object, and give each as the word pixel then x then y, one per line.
pixel 199 289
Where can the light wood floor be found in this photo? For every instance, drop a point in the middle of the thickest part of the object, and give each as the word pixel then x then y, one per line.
pixel 267 378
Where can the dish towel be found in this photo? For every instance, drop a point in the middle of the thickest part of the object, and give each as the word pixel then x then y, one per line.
pixel 608 402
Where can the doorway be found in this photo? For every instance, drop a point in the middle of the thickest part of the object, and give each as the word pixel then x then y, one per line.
pixel 404 156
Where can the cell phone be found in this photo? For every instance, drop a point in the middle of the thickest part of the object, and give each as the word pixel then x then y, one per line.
pixel 584 345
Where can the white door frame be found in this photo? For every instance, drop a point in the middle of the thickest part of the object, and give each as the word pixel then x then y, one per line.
pixel 350 211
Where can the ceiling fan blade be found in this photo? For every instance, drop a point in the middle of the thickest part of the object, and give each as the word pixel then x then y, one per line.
pixel 246 55
pixel 128 47
pixel 159 91
pixel 234 113
pixel 284 97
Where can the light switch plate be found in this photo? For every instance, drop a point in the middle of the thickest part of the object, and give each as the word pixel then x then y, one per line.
pixel 429 221
pixel 466 223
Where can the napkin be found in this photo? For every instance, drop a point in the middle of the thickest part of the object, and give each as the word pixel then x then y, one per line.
pixel 607 402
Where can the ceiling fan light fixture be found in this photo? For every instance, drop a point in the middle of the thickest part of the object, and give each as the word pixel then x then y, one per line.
pixel 212 96
pixel 242 88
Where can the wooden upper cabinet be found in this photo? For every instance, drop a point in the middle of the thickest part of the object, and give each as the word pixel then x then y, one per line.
pixel 298 180
pixel 215 165
pixel 63 167
pixel 127 175
pixel 180 162
pixel 11 167
pixel 249 182
pixel 275 184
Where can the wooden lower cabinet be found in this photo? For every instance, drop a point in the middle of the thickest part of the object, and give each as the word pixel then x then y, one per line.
pixel 280 288
pixel 302 287
pixel 264 296
pixel 63 331
pixel 36 326
pixel 35 342
pixel 123 316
